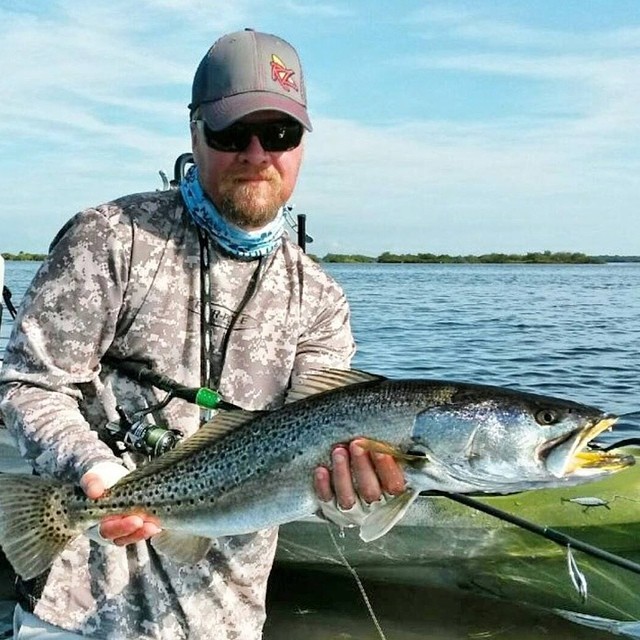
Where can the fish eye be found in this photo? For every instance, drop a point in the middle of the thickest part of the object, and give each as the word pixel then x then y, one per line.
pixel 546 417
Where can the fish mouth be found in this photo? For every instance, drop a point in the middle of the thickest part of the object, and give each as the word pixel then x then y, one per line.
pixel 568 455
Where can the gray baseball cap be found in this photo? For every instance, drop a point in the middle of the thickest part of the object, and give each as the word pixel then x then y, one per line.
pixel 249 71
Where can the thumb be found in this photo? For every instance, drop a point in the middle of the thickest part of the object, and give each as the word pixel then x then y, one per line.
pixel 93 485
pixel 101 477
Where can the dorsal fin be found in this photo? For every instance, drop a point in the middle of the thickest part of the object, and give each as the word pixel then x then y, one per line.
pixel 223 422
pixel 310 384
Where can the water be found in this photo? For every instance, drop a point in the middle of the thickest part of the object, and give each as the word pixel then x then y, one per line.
pixel 565 330
pixel 17 277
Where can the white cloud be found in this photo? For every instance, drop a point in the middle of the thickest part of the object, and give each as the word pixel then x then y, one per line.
pixel 317 9
pixel 482 24
pixel 466 188
pixel 94 104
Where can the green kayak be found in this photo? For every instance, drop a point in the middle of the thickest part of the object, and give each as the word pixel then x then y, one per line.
pixel 441 543
pixel 444 544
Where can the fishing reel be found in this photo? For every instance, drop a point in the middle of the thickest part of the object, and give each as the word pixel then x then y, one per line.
pixel 139 435
pixel 136 433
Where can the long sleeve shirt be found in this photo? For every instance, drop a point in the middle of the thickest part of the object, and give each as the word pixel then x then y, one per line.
pixel 123 280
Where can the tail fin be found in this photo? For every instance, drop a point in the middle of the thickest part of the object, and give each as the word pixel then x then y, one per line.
pixel 34 523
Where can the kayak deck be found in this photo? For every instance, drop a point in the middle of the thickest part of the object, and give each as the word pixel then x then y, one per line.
pixel 440 543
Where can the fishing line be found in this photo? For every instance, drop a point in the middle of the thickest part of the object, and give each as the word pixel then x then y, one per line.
pixel 630 414
pixel 356 577
pixel 629 421
pixel 578 579
pixel 546 532
pixel 625 442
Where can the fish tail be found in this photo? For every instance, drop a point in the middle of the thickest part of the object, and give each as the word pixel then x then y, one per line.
pixel 34 523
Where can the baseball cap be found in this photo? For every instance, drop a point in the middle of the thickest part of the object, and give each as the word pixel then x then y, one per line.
pixel 249 71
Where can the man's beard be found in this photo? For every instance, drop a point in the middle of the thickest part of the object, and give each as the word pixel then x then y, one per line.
pixel 246 206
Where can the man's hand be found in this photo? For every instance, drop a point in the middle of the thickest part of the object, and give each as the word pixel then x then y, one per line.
pixel 357 474
pixel 120 530
pixel 123 530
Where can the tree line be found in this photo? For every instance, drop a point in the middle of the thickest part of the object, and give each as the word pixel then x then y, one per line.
pixel 533 257
pixel 22 255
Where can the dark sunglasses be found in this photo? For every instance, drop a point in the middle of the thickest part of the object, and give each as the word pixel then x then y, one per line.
pixel 282 135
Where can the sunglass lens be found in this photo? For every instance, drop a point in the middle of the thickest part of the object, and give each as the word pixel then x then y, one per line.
pixel 232 139
pixel 278 136
pixel 273 136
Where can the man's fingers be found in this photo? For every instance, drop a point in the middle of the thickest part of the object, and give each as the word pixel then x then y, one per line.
pixel 322 484
pixel 145 532
pixel 357 473
pixel 114 527
pixel 126 529
pixel 365 474
pixel 92 485
pixel 120 529
pixel 389 473
pixel 342 480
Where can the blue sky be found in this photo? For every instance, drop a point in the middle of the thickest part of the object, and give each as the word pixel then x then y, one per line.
pixel 447 127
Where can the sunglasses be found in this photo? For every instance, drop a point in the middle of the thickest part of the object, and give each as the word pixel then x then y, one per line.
pixel 281 135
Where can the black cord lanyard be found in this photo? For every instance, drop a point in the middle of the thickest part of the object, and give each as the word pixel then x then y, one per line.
pixel 205 310
pixel 207 351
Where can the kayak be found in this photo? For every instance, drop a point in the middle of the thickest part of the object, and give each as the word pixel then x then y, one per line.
pixel 444 544
pixel 441 543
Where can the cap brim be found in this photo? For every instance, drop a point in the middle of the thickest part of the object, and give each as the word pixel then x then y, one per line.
pixel 222 113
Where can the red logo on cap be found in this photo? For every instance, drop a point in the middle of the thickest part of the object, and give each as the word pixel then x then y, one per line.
pixel 281 74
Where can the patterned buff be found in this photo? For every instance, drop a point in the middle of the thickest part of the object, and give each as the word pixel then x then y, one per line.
pixel 245 245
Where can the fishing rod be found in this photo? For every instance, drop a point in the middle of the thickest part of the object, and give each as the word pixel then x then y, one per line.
pixel 546 532
pixel 6 297
pixel 134 432
pixel 202 396
pixel 630 422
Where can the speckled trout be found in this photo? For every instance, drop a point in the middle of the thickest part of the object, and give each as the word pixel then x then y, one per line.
pixel 245 471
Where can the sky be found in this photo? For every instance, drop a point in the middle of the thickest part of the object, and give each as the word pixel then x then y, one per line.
pixel 457 127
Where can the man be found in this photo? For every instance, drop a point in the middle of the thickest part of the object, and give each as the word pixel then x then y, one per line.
pixel 202 285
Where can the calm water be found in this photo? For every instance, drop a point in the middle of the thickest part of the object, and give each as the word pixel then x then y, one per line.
pixel 572 331
pixel 565 330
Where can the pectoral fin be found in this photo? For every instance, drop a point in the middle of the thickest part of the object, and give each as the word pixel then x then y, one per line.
pixel 384 518
pixel 181 547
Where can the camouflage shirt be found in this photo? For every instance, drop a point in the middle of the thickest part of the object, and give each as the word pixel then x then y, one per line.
pixel 123 280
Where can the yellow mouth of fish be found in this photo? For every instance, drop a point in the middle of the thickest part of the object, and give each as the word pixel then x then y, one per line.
pixel 572 457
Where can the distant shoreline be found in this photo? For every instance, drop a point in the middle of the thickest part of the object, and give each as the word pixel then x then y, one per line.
pixel 24 257
pixel 538 257
pixel 544 257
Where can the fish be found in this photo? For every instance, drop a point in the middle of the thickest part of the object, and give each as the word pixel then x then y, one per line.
pixel 246 471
